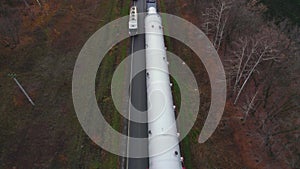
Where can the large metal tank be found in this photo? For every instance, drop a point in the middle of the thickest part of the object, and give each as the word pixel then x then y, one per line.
pixel 164 152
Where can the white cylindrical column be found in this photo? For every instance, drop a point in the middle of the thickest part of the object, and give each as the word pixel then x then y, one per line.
pixel 164 152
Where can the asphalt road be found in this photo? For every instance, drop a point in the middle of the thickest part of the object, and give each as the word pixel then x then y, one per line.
pixel 138 96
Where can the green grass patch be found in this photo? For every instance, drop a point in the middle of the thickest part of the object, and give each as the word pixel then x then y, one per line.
pixel 103 83
pixel 186 143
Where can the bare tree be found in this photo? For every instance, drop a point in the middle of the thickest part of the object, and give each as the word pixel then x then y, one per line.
pixel 39 3
pixel 248 54
pixel 249 105
pixel 216 19
pixel 260 68
pixel 26 4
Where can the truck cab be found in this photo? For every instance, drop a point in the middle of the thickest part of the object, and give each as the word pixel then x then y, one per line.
pixel 151 3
